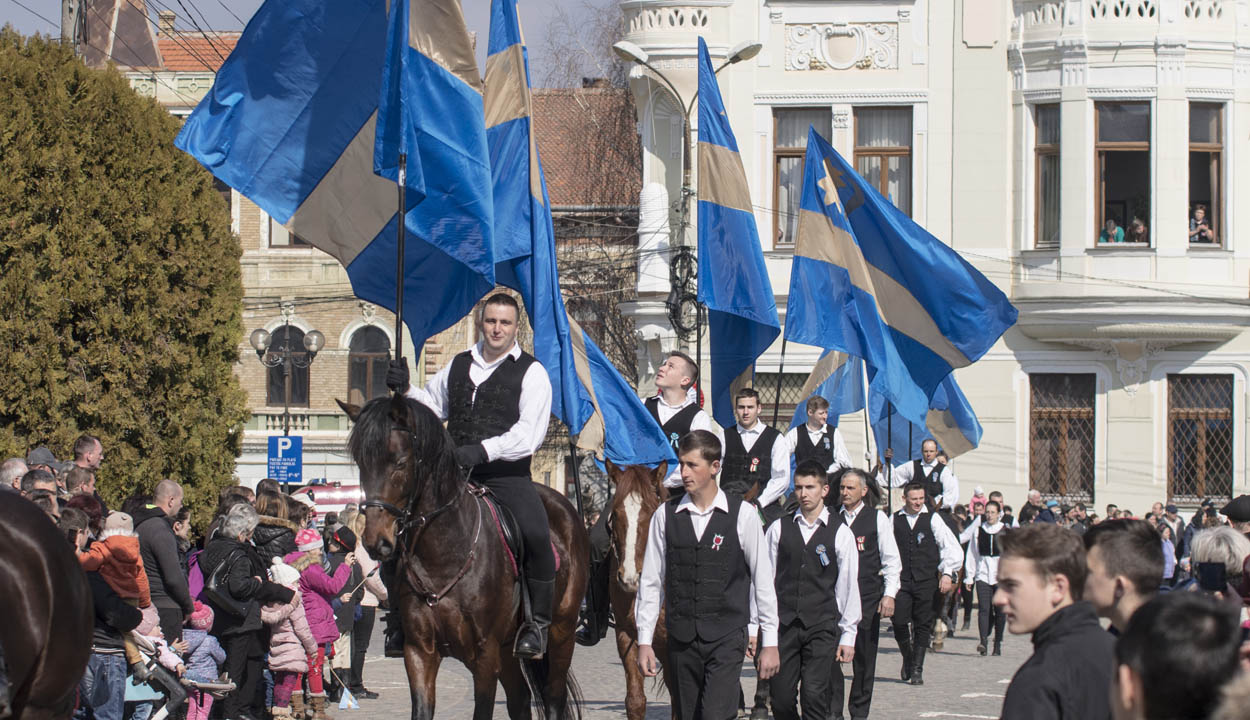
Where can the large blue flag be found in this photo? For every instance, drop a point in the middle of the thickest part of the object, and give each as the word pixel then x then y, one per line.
pixel 588 393
pixel 869 281
pixel 294 123
pixel 949 421
pixel 838 378
pixel 733 280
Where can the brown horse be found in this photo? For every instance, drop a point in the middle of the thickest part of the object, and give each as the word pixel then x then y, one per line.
pixel 48 612
pixel 455 587
pixel 639 493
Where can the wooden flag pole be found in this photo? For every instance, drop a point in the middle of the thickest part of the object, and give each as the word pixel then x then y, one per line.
pixel 399 265
pixel 780 369
pixel 889 468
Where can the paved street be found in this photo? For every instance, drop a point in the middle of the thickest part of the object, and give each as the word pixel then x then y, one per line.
pixel 958 683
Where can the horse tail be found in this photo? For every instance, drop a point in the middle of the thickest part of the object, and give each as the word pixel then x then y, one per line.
pixel 573 705
pixel 536 674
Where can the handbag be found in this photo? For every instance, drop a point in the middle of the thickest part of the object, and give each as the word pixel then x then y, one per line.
pixel 215 588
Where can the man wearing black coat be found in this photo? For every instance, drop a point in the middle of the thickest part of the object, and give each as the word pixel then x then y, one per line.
pixel 1041 574
pixel 158 546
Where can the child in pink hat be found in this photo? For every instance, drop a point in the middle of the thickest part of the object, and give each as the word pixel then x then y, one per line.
pixel 318 590
pixel 204 658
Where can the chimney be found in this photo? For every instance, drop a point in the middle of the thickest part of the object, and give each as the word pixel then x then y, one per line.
pixel 165 21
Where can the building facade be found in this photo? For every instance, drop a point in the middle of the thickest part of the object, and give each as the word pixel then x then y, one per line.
pixel 1064 148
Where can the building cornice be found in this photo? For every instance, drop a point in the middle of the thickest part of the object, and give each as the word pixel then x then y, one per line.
pixel 856 97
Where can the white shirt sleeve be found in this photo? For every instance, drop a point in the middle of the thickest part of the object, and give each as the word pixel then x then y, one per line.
pixel 950 488
pixel 891 560
pixel 779 479
pixel 792 437
pixel 952 553
pixel 847 588
pixel 899 476
pixel 841 457
pixel 966 535
pixel 527 433
pixel 700 421
pixel 751 537
pixel 434 394
pixel 651 581
pixel 972 560
pixel 772 539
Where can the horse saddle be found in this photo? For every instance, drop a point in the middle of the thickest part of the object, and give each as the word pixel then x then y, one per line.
pixel 510 533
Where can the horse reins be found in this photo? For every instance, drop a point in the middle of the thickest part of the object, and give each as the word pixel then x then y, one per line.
pixel 408 523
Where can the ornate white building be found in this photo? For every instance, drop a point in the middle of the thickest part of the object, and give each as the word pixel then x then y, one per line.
pixel 1013 131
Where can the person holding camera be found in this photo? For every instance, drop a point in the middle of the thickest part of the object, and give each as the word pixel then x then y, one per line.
pixel 1199 227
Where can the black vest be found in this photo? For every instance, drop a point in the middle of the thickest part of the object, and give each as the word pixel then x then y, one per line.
pixel 678 426
pixel 932 482
pixel 742 471
pixel 987 543
pixel 821 452
pixel 918 548
pixel 491 412
pixel 805 586
pixel 707 585
pixel 864 528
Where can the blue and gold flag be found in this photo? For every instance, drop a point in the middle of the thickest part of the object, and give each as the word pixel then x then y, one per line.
pixel 838 378
pixel 949 421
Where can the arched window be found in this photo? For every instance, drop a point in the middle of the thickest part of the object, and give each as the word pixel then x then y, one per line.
pixel 366 365
pixel 287 385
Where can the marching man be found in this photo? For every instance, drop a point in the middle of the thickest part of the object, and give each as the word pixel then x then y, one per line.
pixel 757 459
pixel 676 408
pixel 817 440
pixel 703 548
pixel 940 485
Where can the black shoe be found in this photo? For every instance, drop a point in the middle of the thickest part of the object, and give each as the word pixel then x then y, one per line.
pixel 917 668
pixel 967 624
pixel 392 635
pixel 905 674
pixel 981 648
pixel 759 713
pixel 363 693
pixel 998 647
pixel 531 638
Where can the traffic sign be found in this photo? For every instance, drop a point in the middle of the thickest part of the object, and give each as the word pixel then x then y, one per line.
pixel 286 458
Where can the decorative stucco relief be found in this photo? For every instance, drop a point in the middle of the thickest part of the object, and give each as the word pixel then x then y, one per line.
pixel 842 46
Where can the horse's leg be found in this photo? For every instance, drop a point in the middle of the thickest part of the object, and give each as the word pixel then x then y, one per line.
pixel 485 682
pixel 635 692
pixel 422 666
pixel 559 659
pixel 515 689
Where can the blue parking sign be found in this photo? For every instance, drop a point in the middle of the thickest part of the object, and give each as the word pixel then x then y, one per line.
pixel 286 458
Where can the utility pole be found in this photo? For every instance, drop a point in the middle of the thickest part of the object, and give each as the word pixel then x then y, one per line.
pixel 70 12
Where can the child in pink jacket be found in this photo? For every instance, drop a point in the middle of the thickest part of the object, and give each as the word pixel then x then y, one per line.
pixel 318 590
pixel 290 645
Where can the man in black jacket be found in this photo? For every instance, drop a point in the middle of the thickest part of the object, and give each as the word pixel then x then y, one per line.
pixel 1041 574
pixel 102 690
pixel 158 546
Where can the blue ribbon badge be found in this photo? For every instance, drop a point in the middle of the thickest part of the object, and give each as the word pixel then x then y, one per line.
pixel 826 443
pixel 824 556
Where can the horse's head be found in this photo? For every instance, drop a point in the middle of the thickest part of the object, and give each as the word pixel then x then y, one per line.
pixel 401 449
pixel 639 492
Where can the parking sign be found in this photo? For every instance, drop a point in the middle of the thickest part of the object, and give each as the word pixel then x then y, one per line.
pixel 286 458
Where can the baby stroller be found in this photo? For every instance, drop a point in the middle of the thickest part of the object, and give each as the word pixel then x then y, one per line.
pixel 157 683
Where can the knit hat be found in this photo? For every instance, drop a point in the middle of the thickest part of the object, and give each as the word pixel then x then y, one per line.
pixel 151 622
pixel 120 522
pixel 978 492
pixel 283 574
pixel 345 538
pixel 307 539
pixel 201 617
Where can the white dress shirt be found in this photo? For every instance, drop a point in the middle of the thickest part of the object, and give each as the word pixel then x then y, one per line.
pixel 891 562
pixel 841 457
pixel 526 435
pixel 902 474
pixel 977 568
pixel 700 421
pixel 952 555
pixel 655 565
pixel 846 590
pixel 779 478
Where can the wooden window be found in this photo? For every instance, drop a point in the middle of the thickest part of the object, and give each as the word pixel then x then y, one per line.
pixel 1046 176
pixel 883 151
pixel 367 360
pixel 1122 132
pixel 1206 150
pixel 789 146
pixel 1200 438
pixel 791 396
pixel 1061 436
pixel 281 383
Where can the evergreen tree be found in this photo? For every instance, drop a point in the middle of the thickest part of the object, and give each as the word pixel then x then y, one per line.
pixel 120 282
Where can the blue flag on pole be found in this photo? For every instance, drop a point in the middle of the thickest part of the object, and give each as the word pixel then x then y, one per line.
pixel 949 420
pixel 838 378
pixel 294 122
pixel 869 281
pixel 588 393
pixel 733 280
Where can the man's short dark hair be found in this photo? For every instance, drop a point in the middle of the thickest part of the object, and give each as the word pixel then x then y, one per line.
pixel 1183 646
pixel 812 468
pixel 32 477
pixel 912 486
pixel 691 366
pixel 72 522
pixel 747 392
pixel 926 441
pixel 816 403
pixel 76 479
pixel 995 503
pixel 1054 550
pixel 46 502
pixel 994 494
pixel 500 298
pixel 703 441
pixel 1131 548
pixel 83 445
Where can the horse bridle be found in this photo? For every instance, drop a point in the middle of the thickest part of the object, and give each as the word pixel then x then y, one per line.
pixel 406 523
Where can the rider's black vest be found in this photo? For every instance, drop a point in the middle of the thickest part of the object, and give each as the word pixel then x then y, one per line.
pixel 678 425
pixel 742 470
pixel 492 412
pixel 864 528
pixel 932 482
pixel 987 543
pixel 821 452
pixel 918 548
pixel 707 584
pixel 807 573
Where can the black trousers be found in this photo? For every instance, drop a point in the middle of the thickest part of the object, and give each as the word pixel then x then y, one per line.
pixel 864 664
pixel 361 630
pixel 705 676
pixel 519 495
pixel 807 657
pixel 987 614
pixel 243 663
pixel 170 620
pixel 914 613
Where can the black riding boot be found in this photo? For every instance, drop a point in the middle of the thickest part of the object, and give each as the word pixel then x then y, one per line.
pixel 917 667
pixel 592 625
pixel 531 638
pixel 907 653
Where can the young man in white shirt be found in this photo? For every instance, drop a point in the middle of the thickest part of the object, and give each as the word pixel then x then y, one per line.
pixel 816 570
pixel 817 440
pixel 703 548
pixel 757 459
pixel 676 408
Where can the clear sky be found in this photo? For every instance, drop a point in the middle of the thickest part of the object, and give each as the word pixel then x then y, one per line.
pixel 220 14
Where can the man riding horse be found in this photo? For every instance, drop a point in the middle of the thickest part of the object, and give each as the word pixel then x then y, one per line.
pixel 496 399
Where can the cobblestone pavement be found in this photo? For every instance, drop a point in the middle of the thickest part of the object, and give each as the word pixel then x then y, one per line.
pixel 958 683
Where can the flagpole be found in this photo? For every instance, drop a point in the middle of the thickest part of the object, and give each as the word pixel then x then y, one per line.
pixel 780 369
pixel 399 264
pixel 889 468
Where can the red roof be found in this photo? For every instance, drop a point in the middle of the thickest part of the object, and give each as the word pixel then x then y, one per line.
pixel 194 51
pixel 588 141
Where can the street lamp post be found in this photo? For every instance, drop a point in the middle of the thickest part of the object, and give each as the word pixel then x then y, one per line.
pixel 261 341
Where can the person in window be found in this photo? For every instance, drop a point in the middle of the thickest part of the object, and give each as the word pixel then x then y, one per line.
pixel 1111 232
pixel 1137 231
pixel 1199 228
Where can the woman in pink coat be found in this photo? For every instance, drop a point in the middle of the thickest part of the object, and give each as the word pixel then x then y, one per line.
pixel 318 589
pixel 290 646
